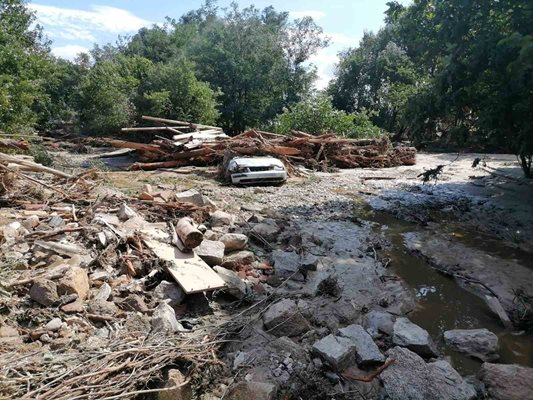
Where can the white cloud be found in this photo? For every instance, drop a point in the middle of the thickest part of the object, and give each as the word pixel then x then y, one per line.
pixel 315 14
pixel 69 52
pixel 342 39
pixel 70 23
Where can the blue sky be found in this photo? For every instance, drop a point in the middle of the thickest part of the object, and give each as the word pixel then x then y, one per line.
pixel 74 26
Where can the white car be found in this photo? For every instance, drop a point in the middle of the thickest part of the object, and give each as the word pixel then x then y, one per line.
pixel 254 170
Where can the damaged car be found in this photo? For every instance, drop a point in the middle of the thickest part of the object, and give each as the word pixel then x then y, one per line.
pixel 256 170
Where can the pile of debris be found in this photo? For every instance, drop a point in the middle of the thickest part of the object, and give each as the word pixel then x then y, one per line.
pixel 207 145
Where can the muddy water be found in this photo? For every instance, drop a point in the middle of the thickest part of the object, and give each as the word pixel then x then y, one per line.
pixel 444 305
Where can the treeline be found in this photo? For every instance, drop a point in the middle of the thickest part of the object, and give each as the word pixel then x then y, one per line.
pixel 454 72
pixel 458 73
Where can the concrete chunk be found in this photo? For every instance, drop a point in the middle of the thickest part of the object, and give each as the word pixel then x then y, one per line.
pixel 338 351
pixel 407 334
pixel 234 241
pixel 211 251
pixel 366 351
pixel 284 319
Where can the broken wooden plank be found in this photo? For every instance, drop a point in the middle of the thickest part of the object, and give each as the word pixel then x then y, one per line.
pixel 152 128
pixel 190 271
pixel 176 122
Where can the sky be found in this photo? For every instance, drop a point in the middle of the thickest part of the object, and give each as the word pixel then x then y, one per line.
pixel 74 26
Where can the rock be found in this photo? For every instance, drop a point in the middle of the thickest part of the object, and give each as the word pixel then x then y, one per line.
pixel 102 307
pixel 31 222
pixel 338 351
pixel 169 292
pixel 243 257
pixel 366 351
pixel 183 392
pixel 45 338
pixel 284 319
pixel 191 196
pixel 74 281
pixel 8 331
pixel 44 292
pixel 407 334
pixel 410 377
pixel 164 319
pixel 496 307
pixel 134 302
pixel 234 241
pixel 54 324
pixel 211 235
pixel 478 343
pixel 211 251
pixel 252 390
pixel 285 262
pixel 75 307
pixel 56 221
pixel 124 212
pixel 507 381
pixel 104 292
pixel 309 262
pixel 267 231
pixel 379 321
pixel 236 286
pixel 221 218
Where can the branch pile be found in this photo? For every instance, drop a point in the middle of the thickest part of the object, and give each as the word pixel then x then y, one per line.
pixel 208 146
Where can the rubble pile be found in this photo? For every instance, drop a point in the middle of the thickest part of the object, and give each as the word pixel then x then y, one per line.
pixel 210 145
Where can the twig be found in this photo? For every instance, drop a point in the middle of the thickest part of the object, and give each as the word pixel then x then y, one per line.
pixel 369 377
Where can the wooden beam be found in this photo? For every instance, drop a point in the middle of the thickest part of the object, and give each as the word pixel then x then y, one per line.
pixel 176 122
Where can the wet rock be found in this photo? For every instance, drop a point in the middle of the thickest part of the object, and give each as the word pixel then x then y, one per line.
pixel 211 251
pixel 267 231
pixel 169 292
pixel 54 324
pixel 124 212
pixel 284 319
pixel 407 334
pixel 234 241
pixel 236 286
pixel 410 377
pixel 181 392
pixel 252 390
pixel 478 343
pixel 379 321
pixel 221 218
pixel 102 307
pixel 337 351
pixel 75 307
pixel 74 281
pixel 366 351
pixel 164 319
pixel 243 257
pixel 133 302
pixel 44 292
pixel 285 262
pixel 104 292
pixel 507 381
pixel 191 196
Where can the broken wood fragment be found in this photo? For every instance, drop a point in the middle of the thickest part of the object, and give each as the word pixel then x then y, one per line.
pixel 189 235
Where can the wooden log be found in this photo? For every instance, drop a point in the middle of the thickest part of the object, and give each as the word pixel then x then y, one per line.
pixel 173 121
pixel 155 165
pixel 153 128
pixel 34 166
pixel 137 146
pixel 188 234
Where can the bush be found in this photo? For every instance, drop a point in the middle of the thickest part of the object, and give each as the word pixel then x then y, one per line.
pixel 41 156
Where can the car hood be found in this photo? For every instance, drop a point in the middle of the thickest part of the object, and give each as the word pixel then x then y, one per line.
pixel 257 162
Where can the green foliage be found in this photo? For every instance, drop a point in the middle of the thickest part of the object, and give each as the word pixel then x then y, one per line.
pixel 40 155
pixel 316 115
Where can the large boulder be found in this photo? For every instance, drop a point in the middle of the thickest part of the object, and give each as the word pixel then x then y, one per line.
pixel 339 352
pixel 410 335
pixel 366 351
pixel 284 319
pixel 234 241
pixel 507 381
pixel 477 343
pixel 76 281
pixel 410 377
pixel 211 251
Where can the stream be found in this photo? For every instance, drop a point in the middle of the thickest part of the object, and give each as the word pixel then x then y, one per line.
pixel 442 304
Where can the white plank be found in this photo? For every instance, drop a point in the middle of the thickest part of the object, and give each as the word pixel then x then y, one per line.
pixel 189 270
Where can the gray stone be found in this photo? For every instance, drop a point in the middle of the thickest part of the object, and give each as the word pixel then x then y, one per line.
pixel 410 377
pixel 124 212
pixel 164 319
pixel 285 319
pixel 309 262
pixel 169 292
pixel 181 390
pixel 507 381
pixel 285 262
pixel 337 351
pixel 31 222
pixel 76 281
pixel 54 324
pixel 44 292
pixel 267 231
pixel 478 343
pixel 56 221
pixel 102 307
pixel 410 335
pixel 242 257
pixel 234 241
pixel 379 321
pixel 252 390
pixel 221 218
pixel 134 302
pixel 104 292
pixel 191 196
pixel 211 251
pixel 236 286
pixel 366 351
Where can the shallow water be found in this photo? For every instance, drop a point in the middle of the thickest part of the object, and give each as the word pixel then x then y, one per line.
pixel 443 305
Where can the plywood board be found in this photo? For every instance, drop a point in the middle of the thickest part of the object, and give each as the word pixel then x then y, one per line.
pixel 189 270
